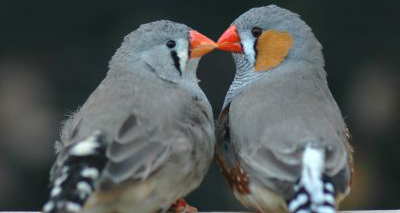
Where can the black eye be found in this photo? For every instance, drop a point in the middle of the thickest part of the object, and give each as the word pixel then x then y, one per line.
pixel 171 44
pixel 256 31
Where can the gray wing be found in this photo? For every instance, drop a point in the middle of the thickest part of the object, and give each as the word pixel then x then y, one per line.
pixel 138 151
pixel 134 152
pixel 142 130
pixel 271 124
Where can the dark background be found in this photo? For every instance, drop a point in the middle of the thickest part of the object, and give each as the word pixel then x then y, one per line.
pixel 54 53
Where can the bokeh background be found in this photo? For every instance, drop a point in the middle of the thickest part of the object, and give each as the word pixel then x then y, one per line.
pixel 54 53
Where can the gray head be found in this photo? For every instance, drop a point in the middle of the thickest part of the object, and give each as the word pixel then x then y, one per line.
pixel 167 49
pixel 267 40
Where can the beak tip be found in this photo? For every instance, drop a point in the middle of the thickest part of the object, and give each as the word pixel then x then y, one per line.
pixel 200 44
pixel 230 40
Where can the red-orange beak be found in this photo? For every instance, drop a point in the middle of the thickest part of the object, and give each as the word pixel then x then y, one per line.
pixel 230 40
pixel 200 44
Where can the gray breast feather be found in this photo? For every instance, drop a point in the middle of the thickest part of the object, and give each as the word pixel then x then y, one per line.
pixel 271 129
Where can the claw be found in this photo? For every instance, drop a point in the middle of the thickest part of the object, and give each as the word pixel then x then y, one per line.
pixel 182 207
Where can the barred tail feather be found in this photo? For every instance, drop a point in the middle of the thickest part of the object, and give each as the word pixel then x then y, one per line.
pixel 83 165
pixel 313 192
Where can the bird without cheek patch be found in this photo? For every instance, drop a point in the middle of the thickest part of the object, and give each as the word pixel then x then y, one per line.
pixel 272 48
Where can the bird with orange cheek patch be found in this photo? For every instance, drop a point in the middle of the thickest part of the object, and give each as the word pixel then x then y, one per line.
pixel 282 143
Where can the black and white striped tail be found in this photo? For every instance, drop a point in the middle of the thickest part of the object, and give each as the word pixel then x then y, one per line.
pixel 314 193
pixel 82 166
pixel 302 201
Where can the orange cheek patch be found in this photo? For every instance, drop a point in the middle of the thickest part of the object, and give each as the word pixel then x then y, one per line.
pixel 272 48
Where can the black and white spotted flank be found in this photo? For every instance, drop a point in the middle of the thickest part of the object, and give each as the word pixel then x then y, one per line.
pixel 81 168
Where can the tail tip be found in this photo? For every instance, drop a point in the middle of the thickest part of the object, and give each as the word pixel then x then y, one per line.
pixel 305 202
pixel 61 206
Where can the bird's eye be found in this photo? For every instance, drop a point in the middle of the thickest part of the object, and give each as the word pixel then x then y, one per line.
pixel 171 44
pixel 256 31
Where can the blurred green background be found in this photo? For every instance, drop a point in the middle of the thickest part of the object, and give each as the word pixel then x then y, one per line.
pixel 54 53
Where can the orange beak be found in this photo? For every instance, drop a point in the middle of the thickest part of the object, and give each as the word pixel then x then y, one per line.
pixel 200 44
pixel 230 40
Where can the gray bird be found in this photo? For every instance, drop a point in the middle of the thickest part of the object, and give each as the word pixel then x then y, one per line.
pixel 145 137
pixel 282 143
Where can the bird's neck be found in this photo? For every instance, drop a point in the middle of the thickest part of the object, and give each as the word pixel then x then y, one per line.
pixel 242 79
pixel 246 75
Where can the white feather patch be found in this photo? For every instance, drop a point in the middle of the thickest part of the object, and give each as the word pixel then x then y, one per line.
pixel 303 211
pixel 55 191
pixel 92 173
pixel 330 199
pixel 248 48
pixel 329 187
pixel 60 179
pixel 325 209
pixel 298 201
pixel 73 207
pixel 182 54
pixel 48 207
pixel 83 187
pixel 86 147
pixel 313 167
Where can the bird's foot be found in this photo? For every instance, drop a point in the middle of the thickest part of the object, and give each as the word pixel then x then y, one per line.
pixel 182 207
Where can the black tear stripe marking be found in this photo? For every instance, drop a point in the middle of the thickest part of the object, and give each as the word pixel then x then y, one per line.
pixel 76 181
pixel 176 62
pixel 255 48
